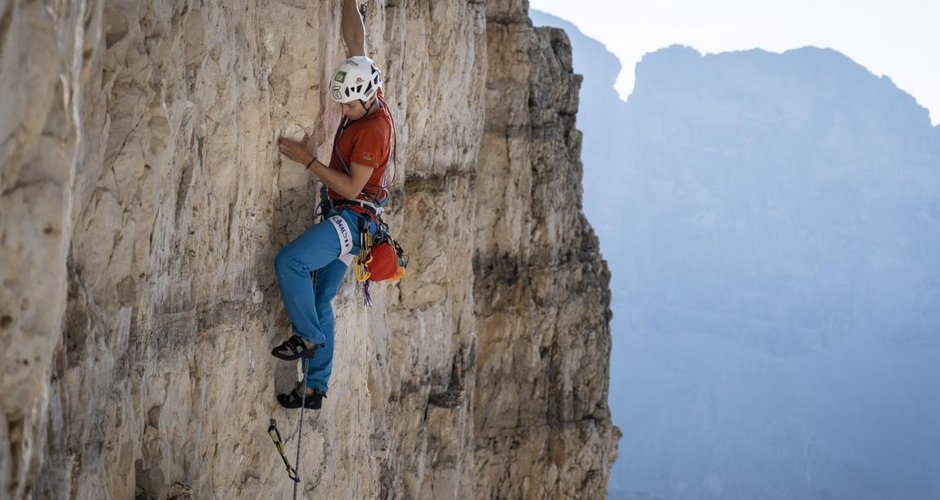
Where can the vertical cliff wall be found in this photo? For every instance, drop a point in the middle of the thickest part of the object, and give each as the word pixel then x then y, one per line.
pixel 541 288
pixel 142 205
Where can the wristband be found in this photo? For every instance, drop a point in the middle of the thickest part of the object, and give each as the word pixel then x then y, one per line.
pixel 311 162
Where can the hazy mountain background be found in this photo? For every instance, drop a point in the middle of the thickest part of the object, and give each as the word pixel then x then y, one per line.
pixel 772 223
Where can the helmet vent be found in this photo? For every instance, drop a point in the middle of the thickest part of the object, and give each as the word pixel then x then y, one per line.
pixel 360 80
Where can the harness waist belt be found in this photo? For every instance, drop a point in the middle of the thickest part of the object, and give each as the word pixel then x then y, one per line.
pixel 372 207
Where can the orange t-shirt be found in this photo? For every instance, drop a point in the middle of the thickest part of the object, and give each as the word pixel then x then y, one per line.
pixel 366 141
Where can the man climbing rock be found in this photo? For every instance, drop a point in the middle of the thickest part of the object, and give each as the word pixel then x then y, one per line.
pixel 356 182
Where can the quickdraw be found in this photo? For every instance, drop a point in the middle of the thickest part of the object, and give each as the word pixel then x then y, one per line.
pixel 365 256
pixel 279 443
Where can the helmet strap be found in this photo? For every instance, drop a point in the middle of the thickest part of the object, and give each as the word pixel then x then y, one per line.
pixel 369 107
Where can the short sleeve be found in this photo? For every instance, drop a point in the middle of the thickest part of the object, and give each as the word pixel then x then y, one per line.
pixel 370 144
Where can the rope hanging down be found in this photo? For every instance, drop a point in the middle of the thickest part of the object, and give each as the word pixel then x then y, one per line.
pixel 300 426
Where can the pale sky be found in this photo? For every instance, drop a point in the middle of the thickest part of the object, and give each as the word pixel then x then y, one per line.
pixel 897 38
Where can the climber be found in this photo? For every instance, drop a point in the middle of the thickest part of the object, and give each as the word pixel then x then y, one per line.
pixel 356 182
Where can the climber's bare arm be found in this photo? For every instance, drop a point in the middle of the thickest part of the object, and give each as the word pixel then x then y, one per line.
pixel 353 31
pixel 347 185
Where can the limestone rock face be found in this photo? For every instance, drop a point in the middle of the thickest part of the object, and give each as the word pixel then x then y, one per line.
pixel 142 202
pixel 541 289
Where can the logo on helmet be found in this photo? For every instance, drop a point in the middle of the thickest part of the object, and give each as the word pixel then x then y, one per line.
pixel 340 76
pixel 337 93
pixel 360 79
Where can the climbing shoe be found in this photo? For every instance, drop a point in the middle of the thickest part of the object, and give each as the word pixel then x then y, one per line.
pixel 293 399
pixel 293 348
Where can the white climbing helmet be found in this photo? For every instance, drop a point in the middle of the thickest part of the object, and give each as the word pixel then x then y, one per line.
pixel 356 79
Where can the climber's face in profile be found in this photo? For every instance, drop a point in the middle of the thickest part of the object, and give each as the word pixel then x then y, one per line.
pixel 354 110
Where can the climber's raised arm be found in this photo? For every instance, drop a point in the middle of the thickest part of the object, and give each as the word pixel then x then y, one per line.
pixel 353 31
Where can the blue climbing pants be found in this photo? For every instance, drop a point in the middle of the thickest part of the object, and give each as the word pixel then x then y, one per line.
pixel 309 304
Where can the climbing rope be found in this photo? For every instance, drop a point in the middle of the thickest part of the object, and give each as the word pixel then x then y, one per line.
pixel 300 426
